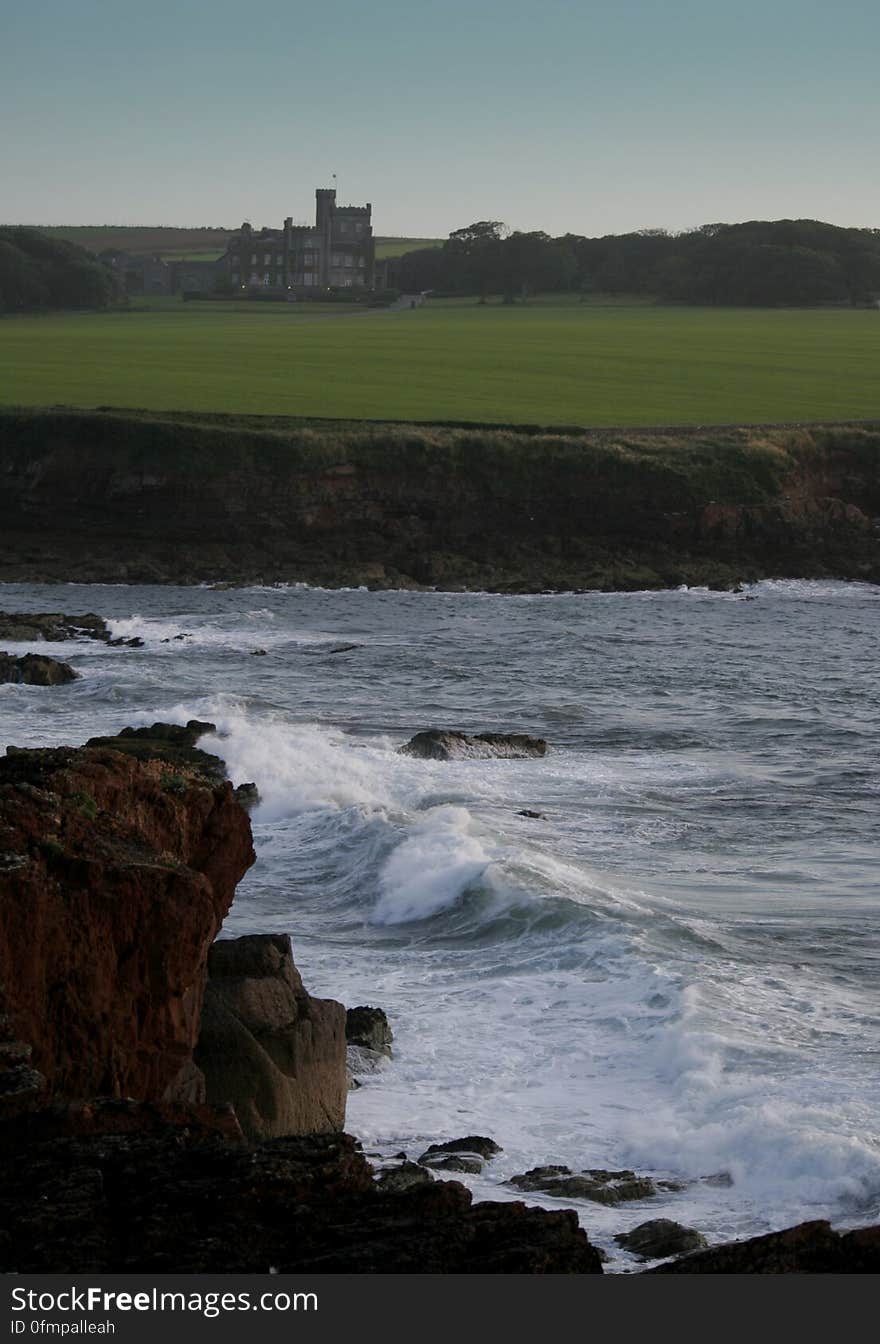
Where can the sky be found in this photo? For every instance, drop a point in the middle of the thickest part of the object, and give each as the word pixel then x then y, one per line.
pixel 562 115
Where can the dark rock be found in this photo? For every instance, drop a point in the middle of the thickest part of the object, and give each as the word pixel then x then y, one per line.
pixel 53 627
pixel 247 796
pixel 151 1196
pixel 32 669
pixel 404 1177
pixel 471 1143
pixel 534 816
pixel 445 745
pixel 809 1248
pixel 172 743
pixel 659 1238
pixel 258 653
pixel 464 1162
pixel 603 1187
pixel 368 1027
pixel 267 1046
pixel 134 643
pixel 722 1179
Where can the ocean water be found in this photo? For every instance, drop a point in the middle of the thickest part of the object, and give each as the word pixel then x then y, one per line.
pixel 675 969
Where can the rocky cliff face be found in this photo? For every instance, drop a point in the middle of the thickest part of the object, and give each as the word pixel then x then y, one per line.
pixel 152 498
pixel 115 876
pixel 136 1188
pixel 118 862
pixel 268 1046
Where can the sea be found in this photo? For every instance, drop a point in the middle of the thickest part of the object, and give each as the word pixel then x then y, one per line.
pixel 673 968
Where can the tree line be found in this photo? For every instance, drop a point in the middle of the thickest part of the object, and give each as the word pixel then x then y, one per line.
pixel 781 262
pixel 40 272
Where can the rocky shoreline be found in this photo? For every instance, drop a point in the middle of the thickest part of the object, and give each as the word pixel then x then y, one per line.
pixel 130 497
pixel 173 1102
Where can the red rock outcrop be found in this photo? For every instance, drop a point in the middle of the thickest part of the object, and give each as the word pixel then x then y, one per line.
pixel 115 876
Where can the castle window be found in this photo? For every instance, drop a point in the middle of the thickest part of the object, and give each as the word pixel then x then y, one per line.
pixel 253 258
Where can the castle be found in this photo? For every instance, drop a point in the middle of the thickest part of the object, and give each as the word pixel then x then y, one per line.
pixel 338 251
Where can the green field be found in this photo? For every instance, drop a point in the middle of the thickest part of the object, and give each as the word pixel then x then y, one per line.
pixel 545 363
pixel 397 247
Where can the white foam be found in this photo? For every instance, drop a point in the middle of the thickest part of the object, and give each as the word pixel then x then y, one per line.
pixel 431 869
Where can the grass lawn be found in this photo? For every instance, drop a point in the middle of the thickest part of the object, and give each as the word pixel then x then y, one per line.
pixel 397 247
pixel 551 362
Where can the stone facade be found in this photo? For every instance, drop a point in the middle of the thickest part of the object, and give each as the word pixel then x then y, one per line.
pixel 337 252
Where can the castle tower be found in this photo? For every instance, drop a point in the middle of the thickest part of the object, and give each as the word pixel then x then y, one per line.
pixel 325 209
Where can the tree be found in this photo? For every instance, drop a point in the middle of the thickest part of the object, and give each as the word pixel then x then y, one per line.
pixel 474 258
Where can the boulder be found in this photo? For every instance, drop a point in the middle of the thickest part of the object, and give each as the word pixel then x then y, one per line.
pixel 468 1163
pixel 32 669
pixel 659 1238
pixel 248 796
pixel 368 1028
pixel 267 1046
pixel 403 1177
pixel 603 1187
pixel 446 745
pixel 471 1143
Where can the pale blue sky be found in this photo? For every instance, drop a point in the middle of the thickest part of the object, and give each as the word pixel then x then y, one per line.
pixel 560 115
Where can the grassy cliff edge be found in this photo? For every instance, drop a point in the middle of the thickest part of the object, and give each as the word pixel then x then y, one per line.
pixel 179 498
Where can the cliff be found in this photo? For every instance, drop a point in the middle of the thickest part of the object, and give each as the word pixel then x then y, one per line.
pixel 119 1014
pixel 115 876
pixel 175 498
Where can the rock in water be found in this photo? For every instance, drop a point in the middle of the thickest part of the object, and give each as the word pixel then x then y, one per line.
pixel 471 1143
pixel 368 1028
pixel 469 1154
pixel 603 1187
pixel 266 1045
pixel 446 745
pixel 659 1238
pixel 248 796
pixel 468 1163
pixel 53 627
pixel 32 669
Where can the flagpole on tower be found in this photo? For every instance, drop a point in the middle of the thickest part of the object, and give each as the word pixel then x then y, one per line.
pixel 333 175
